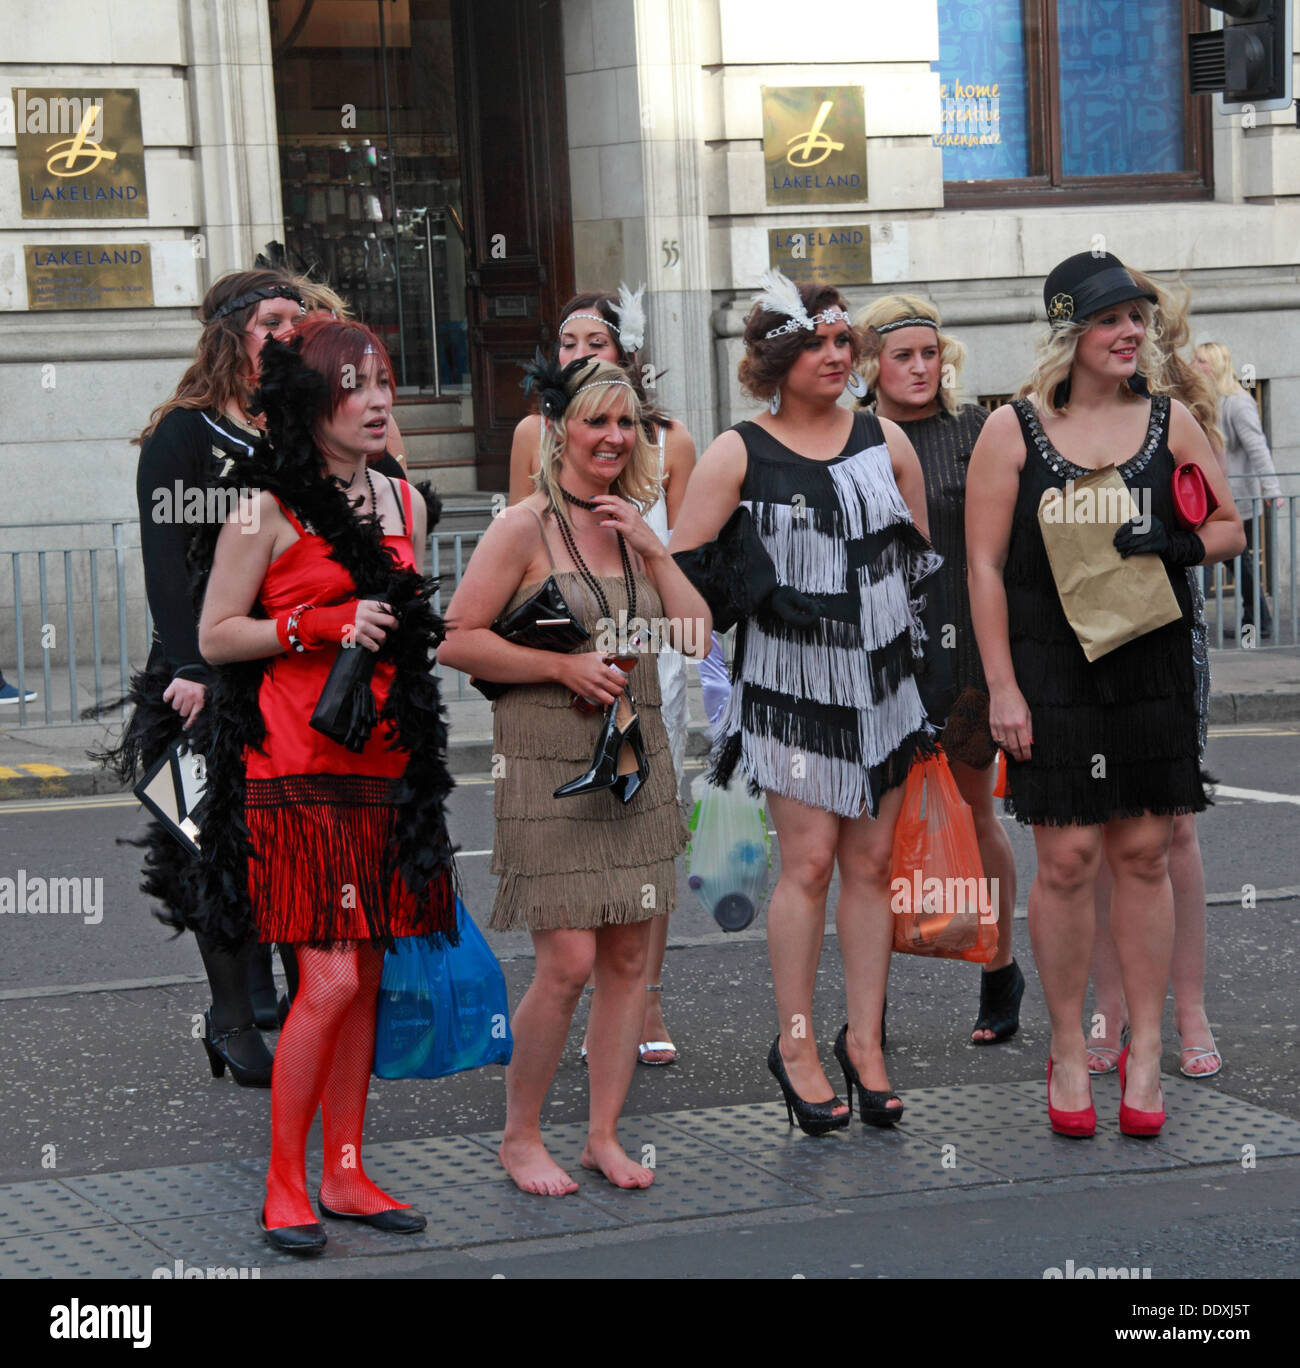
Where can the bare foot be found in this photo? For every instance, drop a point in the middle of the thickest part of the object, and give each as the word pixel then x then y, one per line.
pixel 533 1170
pixel 608 1157
pixel 808 1078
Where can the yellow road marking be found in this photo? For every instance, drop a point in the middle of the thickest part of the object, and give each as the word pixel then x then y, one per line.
pixel 44 771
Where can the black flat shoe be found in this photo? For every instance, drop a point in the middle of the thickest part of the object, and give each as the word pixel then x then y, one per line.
pixel 815 1118
pixel 872 1104
pixel 1000 994
pixel 300 1239
pixel 219 1057
pixel 396 1220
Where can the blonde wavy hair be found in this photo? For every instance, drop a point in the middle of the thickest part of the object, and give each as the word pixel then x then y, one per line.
pixel 317 295
pixel 1223 378
pixel 1056 351
pixel 596 391
pixel 1177 376
pixel 897 306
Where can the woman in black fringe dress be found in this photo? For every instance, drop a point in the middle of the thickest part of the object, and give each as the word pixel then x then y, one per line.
pixel 809 526
pixel 1101 754
pixel 191 462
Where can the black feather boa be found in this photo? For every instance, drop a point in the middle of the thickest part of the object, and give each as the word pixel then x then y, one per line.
pixel 288 465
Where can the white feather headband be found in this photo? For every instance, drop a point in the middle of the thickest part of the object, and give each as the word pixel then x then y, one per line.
pixel 631 317
pixel 779 294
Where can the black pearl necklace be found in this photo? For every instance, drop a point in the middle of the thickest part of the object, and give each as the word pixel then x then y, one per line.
pixel 590 580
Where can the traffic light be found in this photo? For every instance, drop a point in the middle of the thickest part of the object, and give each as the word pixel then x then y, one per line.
pixel 1249 59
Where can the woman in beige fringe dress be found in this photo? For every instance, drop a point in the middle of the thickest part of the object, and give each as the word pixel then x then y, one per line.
pixel 586 873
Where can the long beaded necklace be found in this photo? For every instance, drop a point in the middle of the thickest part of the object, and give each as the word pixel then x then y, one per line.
pixel 590 580
pixel 346 485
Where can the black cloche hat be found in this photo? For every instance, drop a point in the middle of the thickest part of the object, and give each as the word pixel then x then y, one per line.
pixel 1085 284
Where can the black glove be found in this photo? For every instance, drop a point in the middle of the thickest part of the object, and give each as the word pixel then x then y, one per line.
pixel 798 609
pixel 1176 549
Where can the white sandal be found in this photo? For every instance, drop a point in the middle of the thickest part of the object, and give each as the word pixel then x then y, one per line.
pixel 1199 1052
pixel 655 1046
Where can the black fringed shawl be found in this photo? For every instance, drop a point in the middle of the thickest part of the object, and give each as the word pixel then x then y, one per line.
pixel 288 465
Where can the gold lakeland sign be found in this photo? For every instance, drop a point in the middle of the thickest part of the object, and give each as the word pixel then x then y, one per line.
pixel 838 254
pixel 104 275
pixel 80 153
pixel 814 144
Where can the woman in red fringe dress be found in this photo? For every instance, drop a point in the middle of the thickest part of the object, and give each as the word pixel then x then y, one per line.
pixel 346 844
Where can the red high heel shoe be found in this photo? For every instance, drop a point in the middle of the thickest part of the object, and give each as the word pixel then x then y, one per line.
pixel 1078 1125
pixel 1132 1121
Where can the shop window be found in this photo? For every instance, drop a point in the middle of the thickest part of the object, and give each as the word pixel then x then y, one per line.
pixel 371 174
pixel 1077 101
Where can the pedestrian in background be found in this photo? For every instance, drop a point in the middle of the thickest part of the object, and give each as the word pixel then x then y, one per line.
pixel 1133 709
pixel 1199 1056
pixel 914 375
pixel 1251 472
pixel 824 715
pixel 197 441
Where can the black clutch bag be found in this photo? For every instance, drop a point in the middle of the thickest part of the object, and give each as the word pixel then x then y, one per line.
pixel 346 710
pixel 173 789
pixel 543 621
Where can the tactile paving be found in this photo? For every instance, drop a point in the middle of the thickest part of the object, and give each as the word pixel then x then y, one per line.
pixel 45 1207
pixel 691 1179
pixel 111 1251
pixel 1027 1155
pixel 160 1194
pixel 433 1163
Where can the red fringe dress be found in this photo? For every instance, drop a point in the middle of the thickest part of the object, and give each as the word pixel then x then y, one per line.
pixel 321 818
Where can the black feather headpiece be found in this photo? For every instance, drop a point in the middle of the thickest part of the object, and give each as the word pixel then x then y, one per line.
pixel 554 385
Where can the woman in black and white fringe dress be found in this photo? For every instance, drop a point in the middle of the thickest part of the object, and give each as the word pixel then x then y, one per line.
pixel 808 527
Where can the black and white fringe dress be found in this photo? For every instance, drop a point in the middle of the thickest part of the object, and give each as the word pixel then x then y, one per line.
pixel 830 716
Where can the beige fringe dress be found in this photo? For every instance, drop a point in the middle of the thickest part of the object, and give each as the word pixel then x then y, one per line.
pixel 589 861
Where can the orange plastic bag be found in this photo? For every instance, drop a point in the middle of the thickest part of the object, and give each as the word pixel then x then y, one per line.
pixel 942 903
pixel 1000 783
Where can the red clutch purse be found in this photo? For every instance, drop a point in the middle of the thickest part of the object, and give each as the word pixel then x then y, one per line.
pixel 1194 500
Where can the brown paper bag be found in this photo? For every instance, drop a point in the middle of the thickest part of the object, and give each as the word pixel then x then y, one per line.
pixel 1108 600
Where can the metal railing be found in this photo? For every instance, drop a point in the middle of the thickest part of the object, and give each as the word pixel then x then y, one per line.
pixel 102 598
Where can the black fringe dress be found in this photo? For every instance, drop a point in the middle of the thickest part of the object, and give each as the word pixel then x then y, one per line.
pixel 830 716
pixel 1116 737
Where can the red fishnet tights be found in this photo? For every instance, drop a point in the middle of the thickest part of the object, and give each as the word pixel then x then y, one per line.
pixel 323 1059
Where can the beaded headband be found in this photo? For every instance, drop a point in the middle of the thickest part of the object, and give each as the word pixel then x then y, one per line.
pixel 595 318
pixel 255 297
pixel 597 384
pixel 883 328
pixel 831 315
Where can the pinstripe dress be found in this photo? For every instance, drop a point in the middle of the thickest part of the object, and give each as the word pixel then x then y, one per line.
pixel 830 715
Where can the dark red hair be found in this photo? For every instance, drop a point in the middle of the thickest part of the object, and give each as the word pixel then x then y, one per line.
pixel 331 345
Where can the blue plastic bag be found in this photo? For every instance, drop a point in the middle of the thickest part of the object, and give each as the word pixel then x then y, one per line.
pixel 441 1010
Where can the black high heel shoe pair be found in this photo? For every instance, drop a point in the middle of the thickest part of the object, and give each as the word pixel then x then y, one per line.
pixel 818 1118
pixel 608 768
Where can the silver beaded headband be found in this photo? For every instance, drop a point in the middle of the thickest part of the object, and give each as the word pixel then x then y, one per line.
pixel 595 318
pixel 831 315
pixel 907 323
pixel 596 384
